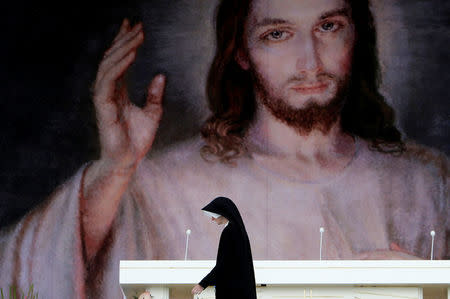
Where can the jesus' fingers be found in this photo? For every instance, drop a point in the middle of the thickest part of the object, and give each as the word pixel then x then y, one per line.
pixel 128 44
pixel 153 107
pixel 124 28
pixel 104 97
pixel 124 38
pixel 119 68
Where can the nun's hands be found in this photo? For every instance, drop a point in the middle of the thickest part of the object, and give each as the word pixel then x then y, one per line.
pixel 197 289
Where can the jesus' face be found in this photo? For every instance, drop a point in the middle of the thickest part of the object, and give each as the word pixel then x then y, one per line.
pixel 300 52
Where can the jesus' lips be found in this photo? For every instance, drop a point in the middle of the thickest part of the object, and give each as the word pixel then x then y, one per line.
pixel 311 88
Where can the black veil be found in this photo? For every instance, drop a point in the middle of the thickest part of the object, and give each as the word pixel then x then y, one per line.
pixel 226 208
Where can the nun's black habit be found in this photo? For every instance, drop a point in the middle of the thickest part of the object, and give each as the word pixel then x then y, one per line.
pixel 233 275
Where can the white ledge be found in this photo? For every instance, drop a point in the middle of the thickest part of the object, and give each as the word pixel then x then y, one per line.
pixel 397 272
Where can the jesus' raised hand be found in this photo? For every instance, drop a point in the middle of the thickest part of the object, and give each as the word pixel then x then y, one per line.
pixel 126 131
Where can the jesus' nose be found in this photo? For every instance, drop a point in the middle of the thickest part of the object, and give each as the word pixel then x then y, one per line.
pixel 306 53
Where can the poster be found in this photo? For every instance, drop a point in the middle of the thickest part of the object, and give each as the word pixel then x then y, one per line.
pixel 51 56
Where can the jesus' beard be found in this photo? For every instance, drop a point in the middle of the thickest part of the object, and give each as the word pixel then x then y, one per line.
pixel 312 117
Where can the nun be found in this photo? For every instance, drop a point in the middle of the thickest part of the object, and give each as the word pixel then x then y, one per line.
pixel 233 275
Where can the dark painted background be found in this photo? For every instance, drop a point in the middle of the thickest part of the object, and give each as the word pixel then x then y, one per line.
pixel 49 56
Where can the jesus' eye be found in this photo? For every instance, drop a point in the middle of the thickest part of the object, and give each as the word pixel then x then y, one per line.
pixel 329 26
pixel 276 35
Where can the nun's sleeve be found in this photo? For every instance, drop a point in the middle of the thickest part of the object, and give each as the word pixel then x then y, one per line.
pixel 209 279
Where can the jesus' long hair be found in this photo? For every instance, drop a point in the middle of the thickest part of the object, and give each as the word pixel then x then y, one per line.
pixel 232 101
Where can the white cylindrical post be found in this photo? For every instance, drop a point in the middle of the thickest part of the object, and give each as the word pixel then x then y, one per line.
pixel 188 232
pixel 432 233
pixel 321 240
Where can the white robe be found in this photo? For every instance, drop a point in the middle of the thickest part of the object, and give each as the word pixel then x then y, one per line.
pixel 376 200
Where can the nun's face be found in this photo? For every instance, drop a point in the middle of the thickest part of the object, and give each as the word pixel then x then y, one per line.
pixel 219 220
